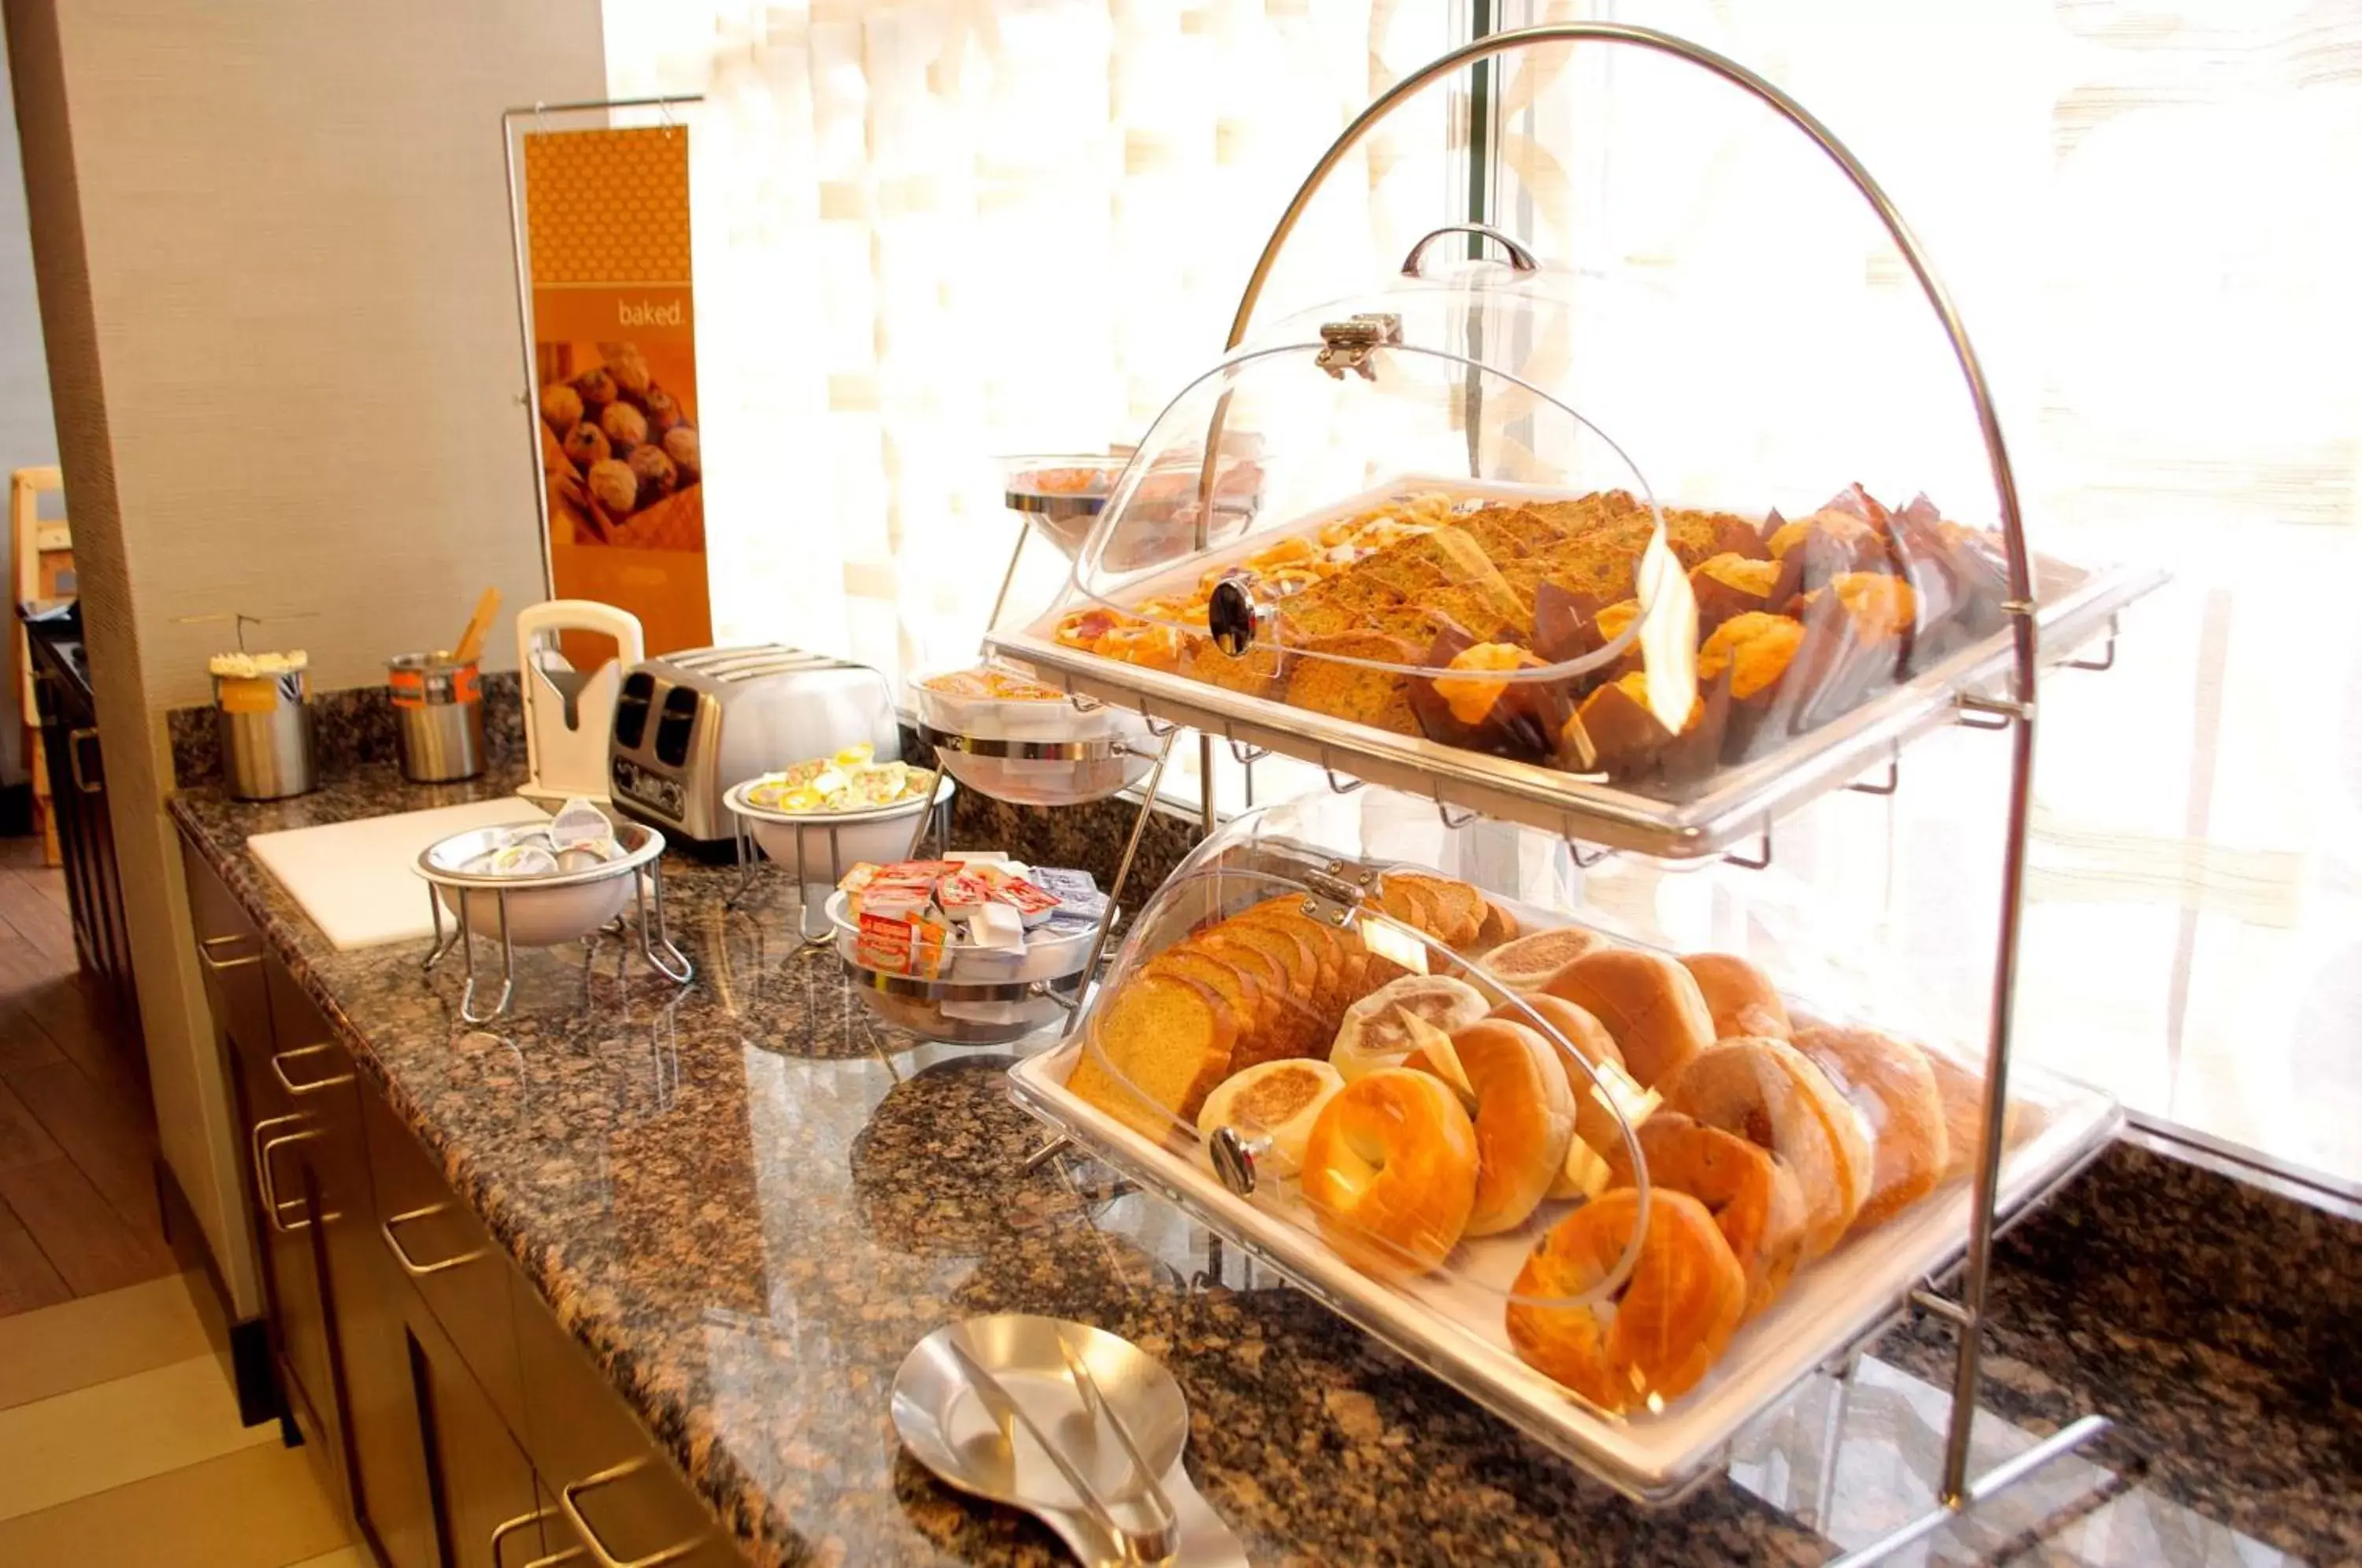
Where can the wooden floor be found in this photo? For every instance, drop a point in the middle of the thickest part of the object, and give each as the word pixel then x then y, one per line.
pixel 78 1208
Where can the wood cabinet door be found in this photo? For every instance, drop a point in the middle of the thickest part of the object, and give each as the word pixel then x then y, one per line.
pixel 310 1186
pixel 616 1497
pixel 480 1484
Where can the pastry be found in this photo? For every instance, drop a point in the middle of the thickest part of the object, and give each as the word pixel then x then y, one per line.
pixel 615 486
pixel 1153 1054
pixel 1672 1318
pixel 655 472
pixel 1768 1093
pixel 1277 1101
pixel 1390 1172
pixel 628 367
pixel 1528 963
pixel 585 444
pixel 1739 996
pixel 1500 926
pixel 1595 1119
pixel 1753 1198
pixel 561 407
pixel 1730 585
pixel 1326 944
pixel 1647 1001
pixel 680 443
pixel 1289 1026
pixel 1256 1040
pixel 1335 674
pixel 1458 912
pixel 1523 1114
pixel 1889 1082
pixel 597 389
pixel 1376 1033
pixel 1756 647
pixel 1962 1090
pixel 626 427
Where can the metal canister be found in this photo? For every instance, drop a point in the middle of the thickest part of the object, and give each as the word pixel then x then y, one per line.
pixel 265 725
pixel 438 717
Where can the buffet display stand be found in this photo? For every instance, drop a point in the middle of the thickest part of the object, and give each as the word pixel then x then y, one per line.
pixel 1991 685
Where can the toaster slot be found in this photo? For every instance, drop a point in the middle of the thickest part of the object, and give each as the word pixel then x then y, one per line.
pixel 673 725
pixel 632 708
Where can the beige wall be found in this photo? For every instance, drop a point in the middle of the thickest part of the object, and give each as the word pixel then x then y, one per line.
pixel 272 244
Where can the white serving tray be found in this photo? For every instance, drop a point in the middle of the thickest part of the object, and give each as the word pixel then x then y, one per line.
pixel 1452 1327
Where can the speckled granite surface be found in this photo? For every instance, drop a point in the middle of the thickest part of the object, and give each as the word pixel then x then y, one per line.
pixel 748 1200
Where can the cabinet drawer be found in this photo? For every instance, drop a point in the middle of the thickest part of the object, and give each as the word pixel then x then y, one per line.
pixel 229 954
pixel 440 1246
pixel 613 1494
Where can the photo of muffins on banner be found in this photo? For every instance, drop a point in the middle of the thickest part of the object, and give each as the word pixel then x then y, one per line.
pixel 619 445
pixel 614 348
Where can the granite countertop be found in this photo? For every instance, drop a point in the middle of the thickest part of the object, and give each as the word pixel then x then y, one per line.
pixel 748 1200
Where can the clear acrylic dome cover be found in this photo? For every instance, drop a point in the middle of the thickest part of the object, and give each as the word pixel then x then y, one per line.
pixel 1579 1141
pixel 1453 548
pixel 1386 533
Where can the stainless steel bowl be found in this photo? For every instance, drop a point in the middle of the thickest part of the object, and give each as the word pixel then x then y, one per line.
pixel 542 911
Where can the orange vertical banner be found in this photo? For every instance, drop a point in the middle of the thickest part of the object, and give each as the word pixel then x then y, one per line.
pixel 615 372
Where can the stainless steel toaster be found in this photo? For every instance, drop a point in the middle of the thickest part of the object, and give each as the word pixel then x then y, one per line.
pixel 690 725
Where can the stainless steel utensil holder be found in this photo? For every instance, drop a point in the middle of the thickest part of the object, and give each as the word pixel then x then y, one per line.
pixel 265 730
pixel 438 717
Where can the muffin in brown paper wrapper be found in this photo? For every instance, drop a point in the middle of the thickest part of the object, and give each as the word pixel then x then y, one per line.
pixel 1523 722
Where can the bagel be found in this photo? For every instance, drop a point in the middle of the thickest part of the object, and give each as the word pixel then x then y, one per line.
pixel 1740 997
pixel 1647 1001
pixel 1390 1172
pixel 1768 1093
pixel 1667 1325
pixel 1962 1090
pixel 1524 1116
pixel 1891 1084
pixel 1753 1198
pixel 1596 1122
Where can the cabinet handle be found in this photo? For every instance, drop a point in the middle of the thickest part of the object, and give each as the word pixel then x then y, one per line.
pixel 502 1531
pixel 75 740
pixel 589 1537
pixel 278 1069
pixel 409 1265
pixel 218 966
pixel 273 1208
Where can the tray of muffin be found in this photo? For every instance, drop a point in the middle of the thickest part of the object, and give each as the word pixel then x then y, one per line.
pixel 1625 1196
pixel 1457 586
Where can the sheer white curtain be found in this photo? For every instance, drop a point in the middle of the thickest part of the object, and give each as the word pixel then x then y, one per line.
pixel 2146 210
pixel 933 231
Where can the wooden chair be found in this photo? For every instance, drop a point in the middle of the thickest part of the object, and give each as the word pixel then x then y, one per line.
pixel 40 560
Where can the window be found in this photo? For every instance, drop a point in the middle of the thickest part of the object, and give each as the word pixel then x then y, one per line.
pixel 969 227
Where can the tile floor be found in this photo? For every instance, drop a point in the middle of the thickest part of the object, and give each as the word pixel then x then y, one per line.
pixel 120 1446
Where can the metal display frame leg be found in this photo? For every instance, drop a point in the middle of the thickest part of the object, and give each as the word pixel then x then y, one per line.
pixel 1978 1489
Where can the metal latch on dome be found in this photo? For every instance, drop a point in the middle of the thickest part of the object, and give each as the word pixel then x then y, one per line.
pixel 1347 345
pixel 1328 897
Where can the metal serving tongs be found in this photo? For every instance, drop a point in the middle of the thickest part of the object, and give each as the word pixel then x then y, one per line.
pixel 1153 1545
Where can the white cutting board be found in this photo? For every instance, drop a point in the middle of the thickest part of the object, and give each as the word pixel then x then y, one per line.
pixel 359 880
